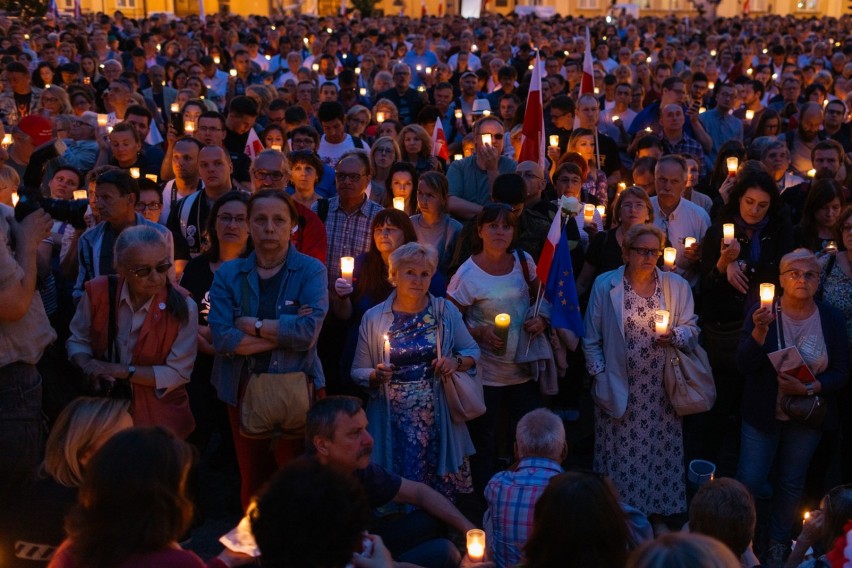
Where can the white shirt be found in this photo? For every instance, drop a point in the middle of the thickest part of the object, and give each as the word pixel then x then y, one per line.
pixel 687 220
pixel 330 153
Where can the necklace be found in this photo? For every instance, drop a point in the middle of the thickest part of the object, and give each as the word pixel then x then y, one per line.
pixel 271 266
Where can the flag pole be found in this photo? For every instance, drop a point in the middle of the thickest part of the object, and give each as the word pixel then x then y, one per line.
pixel 538 297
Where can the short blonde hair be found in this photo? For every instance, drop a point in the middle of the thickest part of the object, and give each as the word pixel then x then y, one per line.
pixel 82 422
pixel 411 254
pixel 8 176
pixel 637 231
pixel 799 256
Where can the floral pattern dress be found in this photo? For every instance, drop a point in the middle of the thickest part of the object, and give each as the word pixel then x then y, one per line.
pixel 410 394
pixel 642 452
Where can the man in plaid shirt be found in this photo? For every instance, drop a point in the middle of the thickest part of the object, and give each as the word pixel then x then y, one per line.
pixel 511 495
pixel 675 140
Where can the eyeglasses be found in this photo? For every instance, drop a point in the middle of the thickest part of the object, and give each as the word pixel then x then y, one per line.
pixel 145 271
pixel 263 174
pixel 142 206
pixel 646 252
pixel 810 276
pixel 342 177
pixel 529 175
pixel 229 220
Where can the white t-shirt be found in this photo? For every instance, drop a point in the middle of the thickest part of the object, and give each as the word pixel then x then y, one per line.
pixel 687 220
pixel 330 153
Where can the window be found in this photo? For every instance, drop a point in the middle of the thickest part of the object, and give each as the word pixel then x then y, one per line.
pixel 807 5
pixel 757 5
pixel 126 3
pixel 588 4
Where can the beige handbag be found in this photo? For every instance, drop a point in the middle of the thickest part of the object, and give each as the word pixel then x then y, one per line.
pixel 464 393
pixel 275 405
pixel 689 381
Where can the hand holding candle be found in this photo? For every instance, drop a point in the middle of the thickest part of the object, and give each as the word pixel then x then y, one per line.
pixel 554 140
pixel 386 352
pixel 728 233
pixel 501 330
pixel 661 322
pixel 588 213
pixel 767 294
pixel 733 163
pixel 347 267
pixel 476 545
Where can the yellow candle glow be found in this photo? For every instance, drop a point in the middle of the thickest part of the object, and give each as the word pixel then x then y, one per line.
pixel 501 330
pixel 357 70
pixel 428 70
pixel 749 114
pixel 174 107
pixel 648 129
pixel 14 198
pixel 103 120
pixel 728 233
pixel 386 351
pixel 315 67
pixel 733 163
pixel 830 247
pixel 486 139
pixel 362 91
pixel 458 157
pixel 712 53
pixel 217 60
pixel 812 173
pixel 418 68
pixel 661 321
pixel 554 140
pixel 711 85
pixel 380 117
pixel 134 173
pixel 601 211
pixel 7 140
pixel 648 59
pixel 597 91
pixel 152 177
pixel 268 57
pixel 702 110
pixel 233 72
pixel 621 186
pixel 476 545
pixel 669 256
pixel 347 266
pixel 749 71
pixel 422 89
pixel 276 147
pixel 399 203
pixel 615 118
pixel 485 112
pixel 188 126
pixel 588 213
pixel 689 241
pixel 767 294
pixel 81 194
pixel 458 113
pixel 109 129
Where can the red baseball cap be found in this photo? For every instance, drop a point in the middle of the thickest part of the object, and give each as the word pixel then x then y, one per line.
pixel 37 127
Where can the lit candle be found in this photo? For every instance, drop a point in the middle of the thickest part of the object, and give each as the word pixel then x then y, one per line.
pixel 601 211
pixel 347 266
pixel 152 177
pixel 276 147
pixel 597 91
pixel 661 322
pixel 485 112
pixel 315 67
pixel 268 57
pixel 749 115
pixel 174 107
pixel 458 113
pixel 428 70
pixel 588 213
pixel 811 173
pixel 109 129
pixel 689 241
pixel 621 186
pixel 380 117
pixel 476 545
pixel 648 59
pixel 648 129
pixel 399 203
pixel 362 91
pixel 728 233
pixel 615 118
pixel 217 60
pixel 530 67
pixel 711 85
pixel 749 71
pixel 357 70
pixel 831 247
pixel 103 120
pixel 233 72
pixel 81 194
pixel 712 53
pixel 733 163
pixel 486 139
pixel 14 198
pixel 7 140
pixel 501 330
pixel 554 140
pixel 386 352
pixel 47 85
pixel 188 126
pixel 767 294
pixel 87 80
pixel 702 110
pixel 418 68
pixel 422 89
pixel 669 256
pixel 134 173
pixel 458 157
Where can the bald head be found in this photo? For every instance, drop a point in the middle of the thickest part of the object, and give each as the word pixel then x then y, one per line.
pixel 672 120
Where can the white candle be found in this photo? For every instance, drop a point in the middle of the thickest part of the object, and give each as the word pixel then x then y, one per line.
pixel 702 110
pixel 109 129
pixel 588 213
pixel 315 67
pixel 380 117
pixel 621 186
pixel 733 163
pixel 347 266
pixel 767 294
pixel 7 140
pixel 276 147
pixel 661 322
pixel 188 126
pixel 554 140
pixel 457 157
pixel 485 112
pixel 103 120
pixel 812 173
pixel 749 115
pixel 712 54
pixel 362 91
pixel 233 72
pixel 174 107
pixel 486 139
pixel 428 70
pixel 601 211
pixel 81 194
pixel 134 173
pixel 152 177
pixel 689 241
pixel 422 89
pixel 15 198
pixel 648 129
pixel 217 60
pixel 458 113
pixel 669 256
pixel 418 68
pixel 476 545
pixel 386 352
pixel 711 85
pixel 399 203
pixel 501 330
pixel 728 233
pixel 615 118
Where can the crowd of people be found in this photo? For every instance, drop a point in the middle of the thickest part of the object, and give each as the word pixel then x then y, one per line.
pixel 203 218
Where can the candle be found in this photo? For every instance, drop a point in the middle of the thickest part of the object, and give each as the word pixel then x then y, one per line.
pixel 476 545
pixel 47 85
pixel 689 241
pixel 621 186
pixel 485 112
pixel 81 194
pixel 103 120
pixel 728 233
pixel 733 163
pixel 422 89
pixel 315 67
pixel 87 80
pixel 399 203
pixel 669 256
pixel 188 126
pixel 702 110
pixel 357 70
pixel 276 147
pixel 14 198
pixel 588 213
pixel 7 140
pixel 233 72
pixel 597 91
pixel 362 91
pixel 347 266
pixel 380 117
pixel 661 322
pixel 648 129
pixel 217 60
pixel 601 211
pixel 386 352
pixel 458 113
pixel 749 71
pixel 152 177
pixel 831 247
pixel 109 129
pixel 268 57
pixel 486 139
pixel 501 330
pixel 134 173
pixel 554 140
pixel 767 294
pixel 749 115
pixel 811 173
pixel 712 54
pixel 458 157
pixel 428 70
pixel 418 68
pixel 174 107
pixel 711 85
pixel 615 118
pixel 648 59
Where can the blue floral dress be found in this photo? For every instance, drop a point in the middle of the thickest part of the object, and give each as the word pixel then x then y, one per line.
pixel 642 452
pixel 410 395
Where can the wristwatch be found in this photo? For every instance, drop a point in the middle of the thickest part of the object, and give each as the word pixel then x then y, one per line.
pixel 258 325
pixel 131 370
pixel 810 388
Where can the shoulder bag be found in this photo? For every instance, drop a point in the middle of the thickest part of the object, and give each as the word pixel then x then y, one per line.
pixel 464 393
pixel 808 411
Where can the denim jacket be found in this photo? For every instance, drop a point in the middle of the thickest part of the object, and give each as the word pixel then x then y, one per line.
pixel 304 284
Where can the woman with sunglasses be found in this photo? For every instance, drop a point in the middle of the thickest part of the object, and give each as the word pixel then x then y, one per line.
pixel 638 435
pixel 134 335
pixel 776 449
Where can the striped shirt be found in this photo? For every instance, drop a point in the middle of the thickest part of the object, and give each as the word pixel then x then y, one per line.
pixel 348 233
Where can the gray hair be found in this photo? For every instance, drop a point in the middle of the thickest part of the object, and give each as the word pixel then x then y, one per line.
pixel 323 415
pixel 412 254
pixel 773 145
pixel 799 256
pixel 134 236
pixel 540 433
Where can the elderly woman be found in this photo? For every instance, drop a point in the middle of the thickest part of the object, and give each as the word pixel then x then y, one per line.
pixel 384 153
pixel 414 434
pixel 40 509
pixel 265 316
pixel 433 224
pixel 494 281
pixel 776 449
pixel 135 335
pixel 638 435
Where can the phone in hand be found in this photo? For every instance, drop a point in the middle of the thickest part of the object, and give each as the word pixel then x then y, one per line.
pixel 177 123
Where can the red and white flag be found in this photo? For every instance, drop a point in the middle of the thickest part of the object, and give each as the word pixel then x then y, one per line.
pixel 532 139
pixel 423 8
pixel 253 145
pixel 439 142
pixel 542 268
pixel 587 83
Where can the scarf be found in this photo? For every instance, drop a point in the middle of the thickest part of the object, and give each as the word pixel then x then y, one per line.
pixel 756 229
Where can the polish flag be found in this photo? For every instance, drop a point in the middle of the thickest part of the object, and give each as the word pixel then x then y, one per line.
pixel 253 145
pixel 587 83
pixel 423 8
pixel 542 269
pixel 532 139
pixel 439 142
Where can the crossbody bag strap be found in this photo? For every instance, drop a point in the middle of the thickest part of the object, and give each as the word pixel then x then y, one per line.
pixel 522 259
pixel 780 326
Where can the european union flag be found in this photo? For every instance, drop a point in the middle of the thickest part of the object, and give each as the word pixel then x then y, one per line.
pixel 561 290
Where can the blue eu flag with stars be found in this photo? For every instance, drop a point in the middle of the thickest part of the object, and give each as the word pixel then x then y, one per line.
pixel 561 290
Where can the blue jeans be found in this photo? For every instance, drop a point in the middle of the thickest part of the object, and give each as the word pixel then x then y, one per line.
pixel 786 455
pixel 22 427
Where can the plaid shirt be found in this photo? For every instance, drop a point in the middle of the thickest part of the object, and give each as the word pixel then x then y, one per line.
pixel 686 146
pixel 348 234
pixel 511 497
